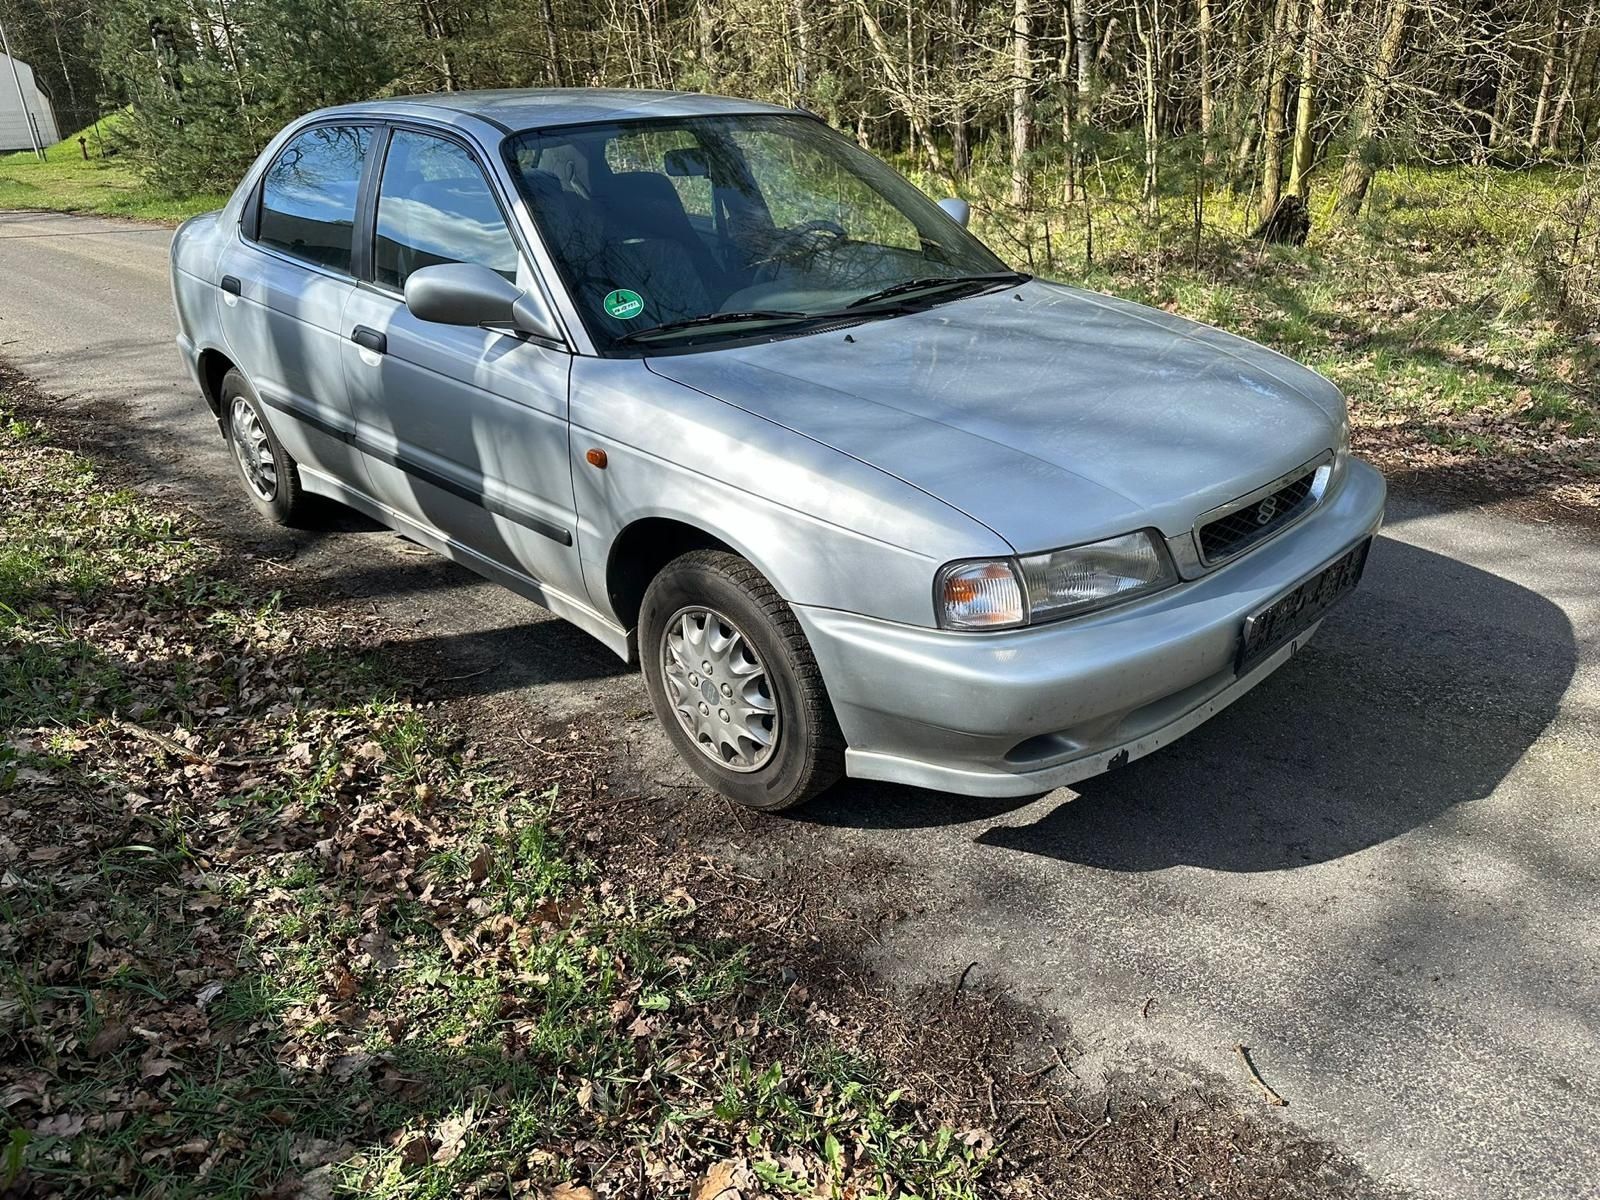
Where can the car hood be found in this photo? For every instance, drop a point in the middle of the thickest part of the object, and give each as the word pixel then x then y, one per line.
pixel 1050 414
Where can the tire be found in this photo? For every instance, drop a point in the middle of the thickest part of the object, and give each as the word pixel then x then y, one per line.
pixel 713 595
pixel 253 444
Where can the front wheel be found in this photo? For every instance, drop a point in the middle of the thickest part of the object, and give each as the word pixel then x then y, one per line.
pixel 270 476
pixel 734 684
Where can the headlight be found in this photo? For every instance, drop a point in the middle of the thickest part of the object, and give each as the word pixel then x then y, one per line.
pixel 1073 581
pixel 1003 593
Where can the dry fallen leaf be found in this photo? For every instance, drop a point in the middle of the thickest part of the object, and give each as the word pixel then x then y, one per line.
pixel 417 1151
pixel 62 1125
pixel 155 1068
pixel 452 1135
pixel 342 982
pixel 719 1183
pixel 111 1036
pixel 572 1191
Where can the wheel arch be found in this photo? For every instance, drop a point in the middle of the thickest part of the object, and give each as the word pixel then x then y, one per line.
pixel 645 545
pixel 211 367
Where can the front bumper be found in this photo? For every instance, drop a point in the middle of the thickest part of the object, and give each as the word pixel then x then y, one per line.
pixel 1028 710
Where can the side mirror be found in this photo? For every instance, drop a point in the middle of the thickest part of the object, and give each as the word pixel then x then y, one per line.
pixel 469 294
pixel 958 211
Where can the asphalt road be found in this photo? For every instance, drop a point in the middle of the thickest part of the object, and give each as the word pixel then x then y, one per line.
pixel 1381 870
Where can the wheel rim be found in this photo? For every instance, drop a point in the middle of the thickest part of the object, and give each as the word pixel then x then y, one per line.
pixel 719 689
pixel 253 451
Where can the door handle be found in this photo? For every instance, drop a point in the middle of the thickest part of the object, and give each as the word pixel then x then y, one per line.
pixel 231 285
pixel 370 339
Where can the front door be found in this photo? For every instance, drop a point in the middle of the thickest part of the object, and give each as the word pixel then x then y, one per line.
pixel 464 429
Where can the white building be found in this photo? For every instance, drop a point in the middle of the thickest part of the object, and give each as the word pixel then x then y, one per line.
pixel 13 122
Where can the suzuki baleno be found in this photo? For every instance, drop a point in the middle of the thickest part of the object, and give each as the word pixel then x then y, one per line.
pixel 705 378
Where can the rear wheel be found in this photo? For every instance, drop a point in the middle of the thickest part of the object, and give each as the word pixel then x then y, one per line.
pixel 270 476
pixel 734 683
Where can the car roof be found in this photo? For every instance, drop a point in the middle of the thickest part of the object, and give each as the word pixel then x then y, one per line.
pixel 517 109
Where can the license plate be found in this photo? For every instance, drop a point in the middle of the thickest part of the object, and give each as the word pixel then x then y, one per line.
pixel 1268 629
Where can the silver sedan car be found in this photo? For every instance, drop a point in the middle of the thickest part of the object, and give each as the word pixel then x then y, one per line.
pixel 708 380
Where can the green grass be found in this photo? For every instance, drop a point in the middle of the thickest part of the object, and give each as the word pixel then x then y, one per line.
pixel 262 934
pixel 101 185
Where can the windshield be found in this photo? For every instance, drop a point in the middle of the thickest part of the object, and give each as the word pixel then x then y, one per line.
pixel 683 231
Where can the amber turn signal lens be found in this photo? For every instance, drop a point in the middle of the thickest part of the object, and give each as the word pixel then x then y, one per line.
pixel 596 458
pixel 979 595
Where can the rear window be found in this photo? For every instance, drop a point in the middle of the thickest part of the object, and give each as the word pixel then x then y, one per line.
pixel 308 195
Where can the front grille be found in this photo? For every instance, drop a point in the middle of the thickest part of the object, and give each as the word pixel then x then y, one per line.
pixel 1258 520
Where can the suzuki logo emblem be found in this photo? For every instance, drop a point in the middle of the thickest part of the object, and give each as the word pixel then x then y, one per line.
pixel 1267 510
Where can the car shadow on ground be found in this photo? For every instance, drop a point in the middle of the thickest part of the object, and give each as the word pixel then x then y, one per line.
pixel 505 658
pixel 1420 693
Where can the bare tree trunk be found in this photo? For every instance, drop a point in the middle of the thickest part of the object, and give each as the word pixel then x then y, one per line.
pixel 1273 123
pixel 1588 108
pixel 1103 55
pixel 652 52
pixel 802 51
pixel 1576 51
pixel 706 31
pixel 1253 101
pixel 1366 121
pixel 1148 32
pixel 1500 115
pixel 1069 43
pixel 230 45
pixel 1207 97
pixel 66 75
pixel 900 92
pixel 1083 39
pixel 1547 77
pixel 1021 85
pixel 1300 165
pixel 552 42
pixel 960 144
pixel 434 26
pixel 1077 66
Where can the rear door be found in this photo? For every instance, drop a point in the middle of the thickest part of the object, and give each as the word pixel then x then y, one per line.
pixel 283 285
pixel 464 429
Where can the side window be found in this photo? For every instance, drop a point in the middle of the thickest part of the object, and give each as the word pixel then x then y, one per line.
pixel 308 195
pixel 435 206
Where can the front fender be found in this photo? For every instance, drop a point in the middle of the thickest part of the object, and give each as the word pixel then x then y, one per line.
pixel 825 529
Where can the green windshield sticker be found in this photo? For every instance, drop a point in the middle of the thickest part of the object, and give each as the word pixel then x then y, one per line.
pixel 624 305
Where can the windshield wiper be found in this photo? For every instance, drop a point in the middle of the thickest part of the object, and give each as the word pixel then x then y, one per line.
pixel 932 282
pixel 760 314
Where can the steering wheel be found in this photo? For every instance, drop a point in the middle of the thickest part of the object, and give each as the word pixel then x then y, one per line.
pixel 797 241
pixel 821 225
